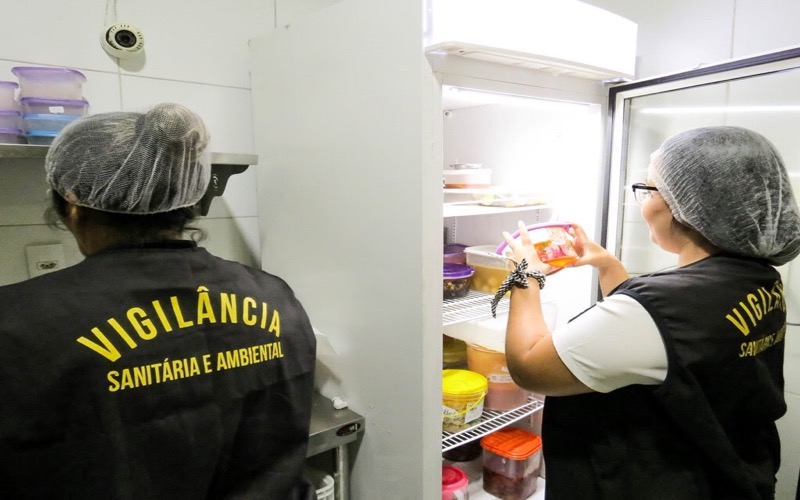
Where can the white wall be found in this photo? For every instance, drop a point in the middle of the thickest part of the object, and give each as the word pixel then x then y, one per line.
pixel 195 54
pixel 683 34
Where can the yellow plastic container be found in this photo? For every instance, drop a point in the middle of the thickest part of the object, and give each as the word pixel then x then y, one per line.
pixel 463 393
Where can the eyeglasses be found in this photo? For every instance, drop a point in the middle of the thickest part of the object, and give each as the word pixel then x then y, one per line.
pixel 642 192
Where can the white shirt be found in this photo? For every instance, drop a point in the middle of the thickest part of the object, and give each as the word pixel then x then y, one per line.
pixel 613 345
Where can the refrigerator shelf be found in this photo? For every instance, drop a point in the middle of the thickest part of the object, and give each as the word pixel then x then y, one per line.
pixel 476 305
pixel 490 421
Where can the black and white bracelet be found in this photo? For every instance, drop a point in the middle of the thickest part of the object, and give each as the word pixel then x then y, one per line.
pixel 516 278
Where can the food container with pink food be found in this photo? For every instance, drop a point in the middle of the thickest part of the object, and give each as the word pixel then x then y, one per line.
pixel 49 82
pixel 552 242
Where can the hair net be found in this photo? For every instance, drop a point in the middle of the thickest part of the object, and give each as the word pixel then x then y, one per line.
pixel 730 184
pixel 138 163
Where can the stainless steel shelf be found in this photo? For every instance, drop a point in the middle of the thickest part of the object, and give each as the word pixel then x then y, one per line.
pixel 490 422
pixel 476 305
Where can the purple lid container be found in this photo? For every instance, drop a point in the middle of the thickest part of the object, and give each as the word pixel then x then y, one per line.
pixel 47 73
pixel 54 102
pixel 456 271
pixel 12 131
pixel 9 112
pixel 9 84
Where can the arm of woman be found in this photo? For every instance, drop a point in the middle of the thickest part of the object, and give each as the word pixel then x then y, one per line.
pixel 531 356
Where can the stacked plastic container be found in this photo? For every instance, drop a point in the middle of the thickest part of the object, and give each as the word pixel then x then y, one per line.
pixel 9 114
pixel 49 99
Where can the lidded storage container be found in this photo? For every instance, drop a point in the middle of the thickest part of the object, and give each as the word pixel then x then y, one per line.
pixel 490 267
pixel 9 118
pixel 454 253
pixel 455 280
pixel 54 83
pixel 463 393
pixel 454 483
pixel 552 243
pixel 511 461
pixel 11 136
pixel 466 175
pixel 502 394
pixel 40 105
pixel 7 90
pixel 454 353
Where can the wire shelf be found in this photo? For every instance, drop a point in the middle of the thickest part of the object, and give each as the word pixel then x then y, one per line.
pixel 490 421
pixel 476 305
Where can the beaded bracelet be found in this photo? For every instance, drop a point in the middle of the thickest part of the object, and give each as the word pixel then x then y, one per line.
pixel 516 278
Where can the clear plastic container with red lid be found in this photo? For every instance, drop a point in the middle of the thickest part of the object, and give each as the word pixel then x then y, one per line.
pixel 511 462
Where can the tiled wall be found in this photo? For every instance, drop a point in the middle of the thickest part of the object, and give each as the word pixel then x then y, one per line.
pixel 196 54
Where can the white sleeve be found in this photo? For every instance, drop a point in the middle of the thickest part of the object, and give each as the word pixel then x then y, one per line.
pixel 614 344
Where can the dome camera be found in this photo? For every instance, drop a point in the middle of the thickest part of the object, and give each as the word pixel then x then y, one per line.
pixel 122 40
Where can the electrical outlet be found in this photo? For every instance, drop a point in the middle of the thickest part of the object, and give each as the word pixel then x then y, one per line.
pixel 43 259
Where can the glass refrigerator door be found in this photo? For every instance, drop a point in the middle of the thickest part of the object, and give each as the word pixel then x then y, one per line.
pixel 761 93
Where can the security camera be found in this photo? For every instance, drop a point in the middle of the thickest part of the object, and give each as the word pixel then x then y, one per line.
pixel 122 40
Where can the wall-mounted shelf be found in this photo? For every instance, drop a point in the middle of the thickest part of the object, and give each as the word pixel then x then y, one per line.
pixel 223 165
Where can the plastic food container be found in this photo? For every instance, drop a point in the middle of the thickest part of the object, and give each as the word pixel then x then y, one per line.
pixel 463 393
pixel 55 83
pixel 454 483
pixel 46 121
pixel 511 460
pixel 490 268
pixel 455 280
pixel 9 118
pixel 11 136
pixel 454 353
pixel 552 242
pixel 466 452
pixel 467 178
pixel 37 105
pixel 503 394
pixel 7 90
pixel 40 137
pixel 454 253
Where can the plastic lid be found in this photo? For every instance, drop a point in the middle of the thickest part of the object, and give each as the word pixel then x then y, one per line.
pixel 14 131
pixel 513 443
pixel 42 133
pixel 515 235
pixel 7 112
pixel 461 382
pixel 8 84
pixel 47 72
pixel 453 248
pixel 453 478
pixel 50 116
pixel 452 271
pixel 54 102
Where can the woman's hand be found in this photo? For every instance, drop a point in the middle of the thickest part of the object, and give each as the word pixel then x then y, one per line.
pixel 589 252
pixel 522 248
pixel 611 272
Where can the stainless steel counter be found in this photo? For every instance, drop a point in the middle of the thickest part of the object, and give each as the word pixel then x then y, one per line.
pixel 333 429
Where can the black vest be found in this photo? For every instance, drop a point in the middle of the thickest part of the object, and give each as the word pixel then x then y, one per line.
pixel 158 373
pixel 707 432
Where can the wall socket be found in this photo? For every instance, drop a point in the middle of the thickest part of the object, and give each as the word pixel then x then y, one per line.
pixel 43 259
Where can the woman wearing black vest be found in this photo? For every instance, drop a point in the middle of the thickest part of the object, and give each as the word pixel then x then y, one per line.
pixel 152 369
pixel 669 387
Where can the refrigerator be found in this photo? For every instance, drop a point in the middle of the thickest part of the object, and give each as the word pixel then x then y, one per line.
pixel 355 119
